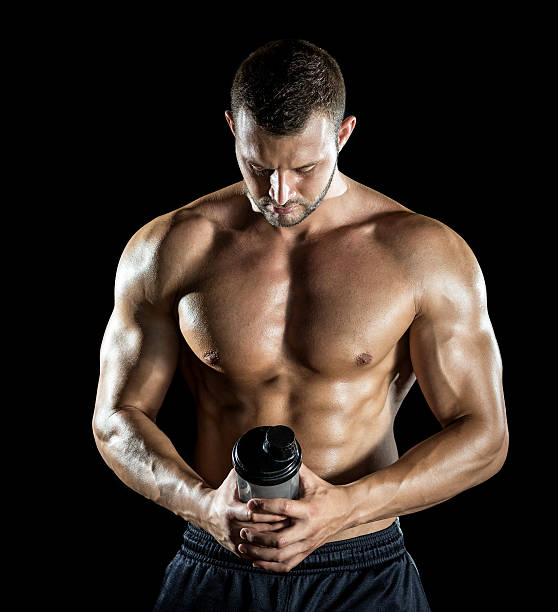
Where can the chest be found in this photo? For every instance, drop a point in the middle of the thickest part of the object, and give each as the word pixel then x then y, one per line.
pixel 330 308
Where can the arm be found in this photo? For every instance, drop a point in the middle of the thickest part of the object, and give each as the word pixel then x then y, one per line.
pixel 457 363
pixel 139 355
pixel 456 360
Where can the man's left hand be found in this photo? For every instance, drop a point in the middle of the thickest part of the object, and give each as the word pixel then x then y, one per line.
pixel 320 512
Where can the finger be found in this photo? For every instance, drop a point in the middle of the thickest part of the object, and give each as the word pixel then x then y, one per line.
pixel 271 526
pixel 279 505
pixel 272 555
pixel 263 527
pixel 241 512
pixel 278 539
pixel 266 518
pixel 281 567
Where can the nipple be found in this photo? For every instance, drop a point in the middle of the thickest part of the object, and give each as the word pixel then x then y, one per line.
pixel 211 357
pixel 363 359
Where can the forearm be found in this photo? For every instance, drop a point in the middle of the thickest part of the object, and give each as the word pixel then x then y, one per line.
pixel 144 458
pixel 449 462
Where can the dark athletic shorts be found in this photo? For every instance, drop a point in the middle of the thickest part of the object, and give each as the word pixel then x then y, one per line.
pixel 369 572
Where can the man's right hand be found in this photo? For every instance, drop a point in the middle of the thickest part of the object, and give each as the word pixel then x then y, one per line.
pixel 226 515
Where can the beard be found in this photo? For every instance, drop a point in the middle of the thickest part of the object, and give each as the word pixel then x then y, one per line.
pixel 304 209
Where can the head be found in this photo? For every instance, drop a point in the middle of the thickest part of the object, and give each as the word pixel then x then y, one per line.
pixel 287 107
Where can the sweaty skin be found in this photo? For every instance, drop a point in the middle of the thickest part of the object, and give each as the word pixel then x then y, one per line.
pixel 313 336
pixel 322 326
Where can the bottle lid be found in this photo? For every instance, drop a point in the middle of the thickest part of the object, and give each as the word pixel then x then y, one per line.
pixel 280 443
pixel 267 455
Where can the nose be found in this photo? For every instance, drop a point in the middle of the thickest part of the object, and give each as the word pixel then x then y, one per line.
pixel 281 190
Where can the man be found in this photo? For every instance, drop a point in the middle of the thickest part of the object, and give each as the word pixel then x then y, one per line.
pixel 299 297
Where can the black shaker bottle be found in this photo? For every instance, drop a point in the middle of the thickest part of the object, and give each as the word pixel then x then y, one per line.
pixel 267 460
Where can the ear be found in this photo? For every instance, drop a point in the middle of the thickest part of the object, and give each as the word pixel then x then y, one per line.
pixel 229 118
pixel 346 129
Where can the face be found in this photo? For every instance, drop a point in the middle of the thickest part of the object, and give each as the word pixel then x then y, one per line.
pixel 286 176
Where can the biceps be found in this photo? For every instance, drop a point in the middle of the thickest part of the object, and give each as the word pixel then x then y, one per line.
pixel 138 361
pixel 458 368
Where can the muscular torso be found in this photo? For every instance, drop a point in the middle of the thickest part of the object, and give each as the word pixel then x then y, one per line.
pixel 312 334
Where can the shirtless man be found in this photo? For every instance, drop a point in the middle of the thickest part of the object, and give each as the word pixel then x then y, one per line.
pixel 299 297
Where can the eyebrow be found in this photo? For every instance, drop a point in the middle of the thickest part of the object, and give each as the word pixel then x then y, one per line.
pixel 255 163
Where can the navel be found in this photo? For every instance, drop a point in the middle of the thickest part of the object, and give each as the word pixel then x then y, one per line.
pixel 211 357
pixel 363 359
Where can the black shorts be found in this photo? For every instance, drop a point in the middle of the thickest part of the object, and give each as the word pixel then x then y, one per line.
pixel 369 572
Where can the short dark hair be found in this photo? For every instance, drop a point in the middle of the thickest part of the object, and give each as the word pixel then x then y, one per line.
pixel 282 83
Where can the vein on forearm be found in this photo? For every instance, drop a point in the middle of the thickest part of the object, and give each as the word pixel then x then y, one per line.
pixel 454 459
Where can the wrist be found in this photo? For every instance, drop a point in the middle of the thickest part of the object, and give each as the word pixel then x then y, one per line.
pixel 345 507
pixel 359 507
pixel 200 501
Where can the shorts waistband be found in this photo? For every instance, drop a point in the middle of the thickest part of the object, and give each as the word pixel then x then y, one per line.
pixel 365 551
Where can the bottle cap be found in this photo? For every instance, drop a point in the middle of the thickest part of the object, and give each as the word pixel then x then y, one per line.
pixel 267 455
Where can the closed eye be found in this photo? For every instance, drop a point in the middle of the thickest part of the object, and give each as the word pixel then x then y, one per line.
pixel 265 171
pixel 305 170
pixel 259 171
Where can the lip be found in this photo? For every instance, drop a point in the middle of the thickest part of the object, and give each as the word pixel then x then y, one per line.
pixel 284 211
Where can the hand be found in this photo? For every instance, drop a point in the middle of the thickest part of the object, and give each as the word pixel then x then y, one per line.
pixel 226 515
pixel 319 513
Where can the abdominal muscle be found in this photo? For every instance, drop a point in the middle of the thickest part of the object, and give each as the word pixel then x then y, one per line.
pixel 341 443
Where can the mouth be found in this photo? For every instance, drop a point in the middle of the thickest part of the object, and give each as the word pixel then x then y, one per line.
pixel 282 210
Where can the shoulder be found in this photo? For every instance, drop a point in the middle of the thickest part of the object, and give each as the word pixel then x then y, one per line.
pixel 437 262
pixel 169 249
pixel 424 240
pixel 423 245
pixel 442 267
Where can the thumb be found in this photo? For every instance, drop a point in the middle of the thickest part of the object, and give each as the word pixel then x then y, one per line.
pixel 308 478
pixel 305 472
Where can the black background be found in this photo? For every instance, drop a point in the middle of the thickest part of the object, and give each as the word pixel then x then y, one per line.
pixel 137 110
